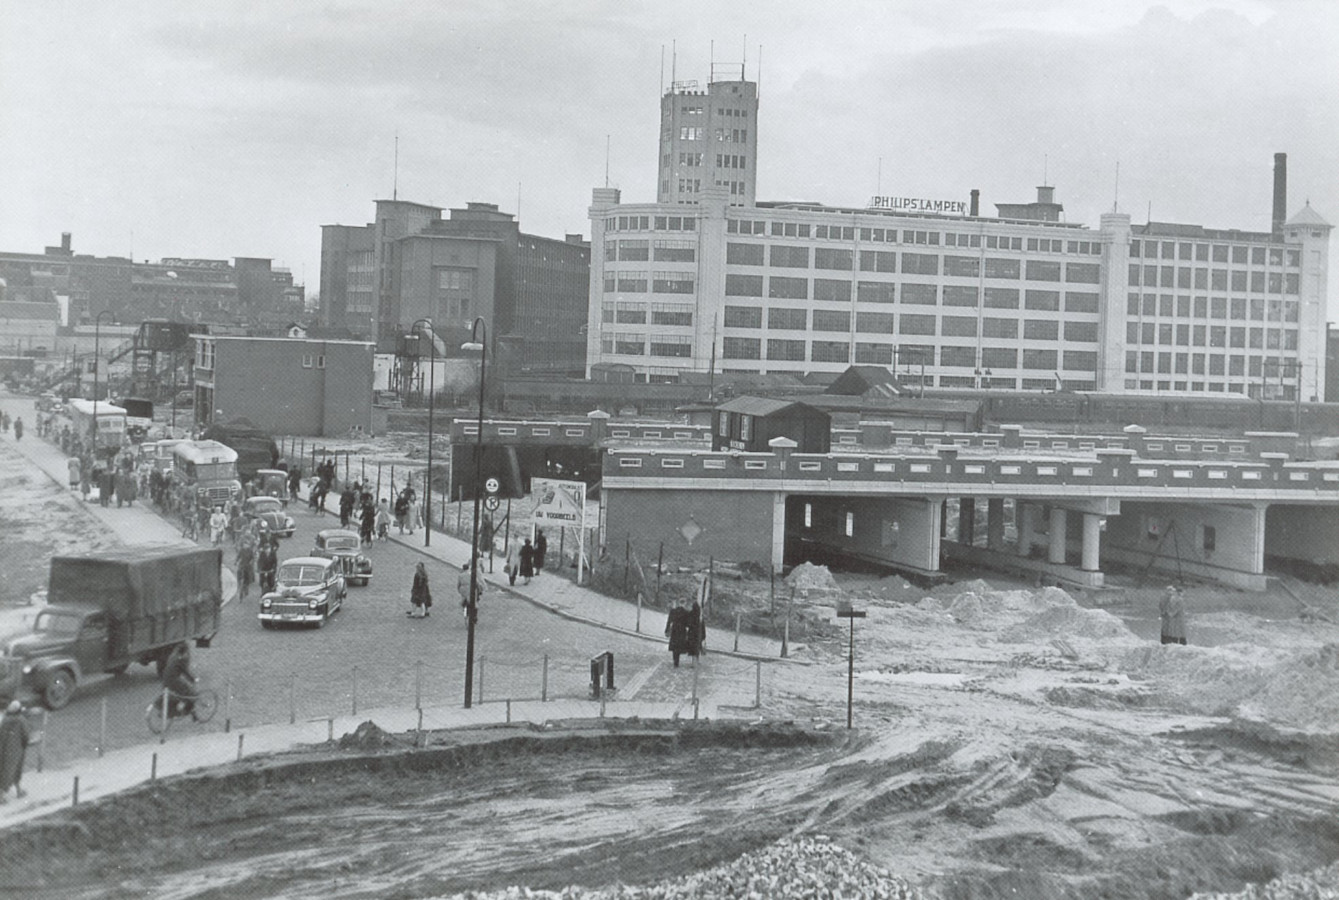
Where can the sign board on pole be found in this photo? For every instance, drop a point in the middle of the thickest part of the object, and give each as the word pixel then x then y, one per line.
pixel 562 503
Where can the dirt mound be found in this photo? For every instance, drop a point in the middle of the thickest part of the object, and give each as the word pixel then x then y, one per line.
pixel 809 577
pixel 1296 690
pixel 367 736
pixel 992 609
pixel 1069 621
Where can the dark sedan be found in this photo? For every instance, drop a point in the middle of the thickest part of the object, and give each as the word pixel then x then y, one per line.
pixel 345 546
pixel 269 512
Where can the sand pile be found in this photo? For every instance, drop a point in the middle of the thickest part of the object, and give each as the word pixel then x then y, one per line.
pixel 1069 621
pixel 809 577
pixel 1298 689
pixel 995 610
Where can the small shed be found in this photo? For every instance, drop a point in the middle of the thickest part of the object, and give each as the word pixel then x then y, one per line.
pixel 748 423
pixel 865 381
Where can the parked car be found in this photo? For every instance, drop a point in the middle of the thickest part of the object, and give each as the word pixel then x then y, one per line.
pixel 269 511
pixel 345 547
pixel 308 590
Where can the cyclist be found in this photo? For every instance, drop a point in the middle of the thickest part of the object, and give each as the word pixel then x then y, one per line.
pixel 179 679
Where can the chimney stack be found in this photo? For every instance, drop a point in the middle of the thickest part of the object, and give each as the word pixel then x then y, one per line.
pixel 65 241
pixel 976 203
pixel 1280 191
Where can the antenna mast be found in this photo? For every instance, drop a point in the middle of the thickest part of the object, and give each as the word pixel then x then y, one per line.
pixel 1115 197
pixel 606 160
pixel 395 183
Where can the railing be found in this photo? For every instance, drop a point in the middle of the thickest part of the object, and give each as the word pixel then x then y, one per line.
pixel 1106 469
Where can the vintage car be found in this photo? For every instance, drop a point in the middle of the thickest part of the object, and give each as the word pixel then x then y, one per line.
pixel 307 590
pixel 344 546
pixel 269 512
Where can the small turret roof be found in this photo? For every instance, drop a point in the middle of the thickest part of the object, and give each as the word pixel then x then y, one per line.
pixel 1308 217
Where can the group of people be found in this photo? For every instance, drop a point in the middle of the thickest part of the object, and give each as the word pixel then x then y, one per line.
pixel 115 477
pixel 526 560
pixel 257 558
pixel 17 423
pixel 686 630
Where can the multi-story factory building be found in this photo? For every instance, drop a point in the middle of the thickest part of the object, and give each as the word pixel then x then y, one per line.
pixel 928 286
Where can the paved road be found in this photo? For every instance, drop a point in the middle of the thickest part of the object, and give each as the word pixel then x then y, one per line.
pixel 370 653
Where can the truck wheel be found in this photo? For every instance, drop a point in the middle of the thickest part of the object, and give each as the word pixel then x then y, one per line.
pixel 59 689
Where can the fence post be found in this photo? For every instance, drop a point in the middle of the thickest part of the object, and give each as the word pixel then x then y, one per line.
pixel 509 710
pixel 346 466
pixel 378 493
pixel 362 469
pixel 102 732
pixel 738 614
pixel 660 564
pixel 627 559
pixel 227 706
pixel 167 698
pixel 153 768
pixel 771 586
pixel 481 679
pixel 418 686
pixel 544 682
pixel 241 737
pixel 695 667
pixel 638 626
pixel 74 797
pixel 757 685
pixel 355 690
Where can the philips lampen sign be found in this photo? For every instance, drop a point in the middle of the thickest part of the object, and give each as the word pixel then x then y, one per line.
pixel 920 205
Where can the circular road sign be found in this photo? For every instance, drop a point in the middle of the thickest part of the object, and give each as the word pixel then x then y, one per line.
pixel 491 485
pixel 492 503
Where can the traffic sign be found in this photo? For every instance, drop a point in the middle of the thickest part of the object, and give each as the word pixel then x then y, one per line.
pixel 492 502
pixel 491 486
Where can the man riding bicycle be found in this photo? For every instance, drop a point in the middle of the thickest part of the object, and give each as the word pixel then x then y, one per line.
pixel 179 679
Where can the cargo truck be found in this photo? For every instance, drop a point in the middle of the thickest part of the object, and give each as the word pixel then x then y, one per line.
pixel 108 610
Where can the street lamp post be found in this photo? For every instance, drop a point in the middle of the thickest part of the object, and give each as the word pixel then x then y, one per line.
pixel 432 390
pixel 472 606
pixel 97 364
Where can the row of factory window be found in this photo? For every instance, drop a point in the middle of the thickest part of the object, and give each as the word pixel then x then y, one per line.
pixel 701 133
pixel 1252 389
pixel 1183 307
pixel 696 109
pixel 843 259
pixel 650 223
pixel 694 159
pixel 1149 362
pixel 1186 278
pixel 1149 333
pixel 912 236
pixel 1238 253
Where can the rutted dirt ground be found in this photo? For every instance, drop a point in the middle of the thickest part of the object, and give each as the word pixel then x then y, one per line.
pixel 1009 743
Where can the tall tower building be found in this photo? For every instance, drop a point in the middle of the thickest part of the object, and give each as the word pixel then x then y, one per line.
pixel 709 138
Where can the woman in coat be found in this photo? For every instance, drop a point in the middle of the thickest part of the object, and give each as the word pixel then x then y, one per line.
pixel 1172 612
pixel 527 561
pixel 513 565
pixel 676 629
pixel 367 520
pixel 420 595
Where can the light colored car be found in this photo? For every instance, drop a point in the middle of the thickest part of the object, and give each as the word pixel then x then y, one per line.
pixel 269 511
pixel 308 590
pixel 346 547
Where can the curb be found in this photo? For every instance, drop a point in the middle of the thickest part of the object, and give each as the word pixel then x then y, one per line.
pixel 584 620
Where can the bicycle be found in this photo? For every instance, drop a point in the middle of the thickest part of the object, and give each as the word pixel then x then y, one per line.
pixel 206 704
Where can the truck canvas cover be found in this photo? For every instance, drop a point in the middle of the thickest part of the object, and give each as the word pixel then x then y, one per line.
pixel 138 582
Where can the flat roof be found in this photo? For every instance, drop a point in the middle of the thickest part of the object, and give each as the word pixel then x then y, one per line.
pixel 289 340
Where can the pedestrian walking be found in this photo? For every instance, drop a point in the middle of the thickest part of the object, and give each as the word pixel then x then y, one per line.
pixel 4 422
pixel 267 562
pixel 1172 612
pixel 463 588
pixel 383 520
pixel 402 511
pixel 106 484
pixel 18 429
pixel 541 550
pixel 367 520
pixel 246 568
pixel 415 512
pixel 697 631
pixel 76 469
pixel 346 501
pixel 294 482
pixel 676 629
pixel 420 594
pixel 527 561
pixel 218 525
pixel 512 566
pixel 85 478
pixel 14 739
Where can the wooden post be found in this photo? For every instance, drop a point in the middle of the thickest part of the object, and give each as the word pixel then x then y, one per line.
pixel 153 768
pixel 562 533
pixel 227 706
pixel 458 507
pixel 362 468
pixel 638 626
pixel 627 559
pixel 695 667
pixel 378 491
pixel 74 796
pixel 241 737
pixel 167 698
pixel 757 685
pixel 355 690
pixel 738 615
pixel 481 680
pixel 102 733
pixel 544 682
pixel 508 710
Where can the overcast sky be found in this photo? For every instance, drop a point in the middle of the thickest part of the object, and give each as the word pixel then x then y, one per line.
pixel 225 128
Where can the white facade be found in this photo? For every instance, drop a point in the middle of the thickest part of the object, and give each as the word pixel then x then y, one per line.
pixel 1014 303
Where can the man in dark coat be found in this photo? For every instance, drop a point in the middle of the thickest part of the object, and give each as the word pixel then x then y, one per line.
pixel 267 563
pixel 541 550
pixel 527 561
pixel 420 594
pixel 676 628
pixel 14 739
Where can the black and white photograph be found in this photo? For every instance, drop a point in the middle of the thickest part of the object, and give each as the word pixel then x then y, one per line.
pixel 630 451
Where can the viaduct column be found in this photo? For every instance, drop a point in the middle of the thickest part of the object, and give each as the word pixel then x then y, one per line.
pixel 1027 513
pixel 967 520
pixel 995 523
pixel 1092 536
pixel 1056 549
